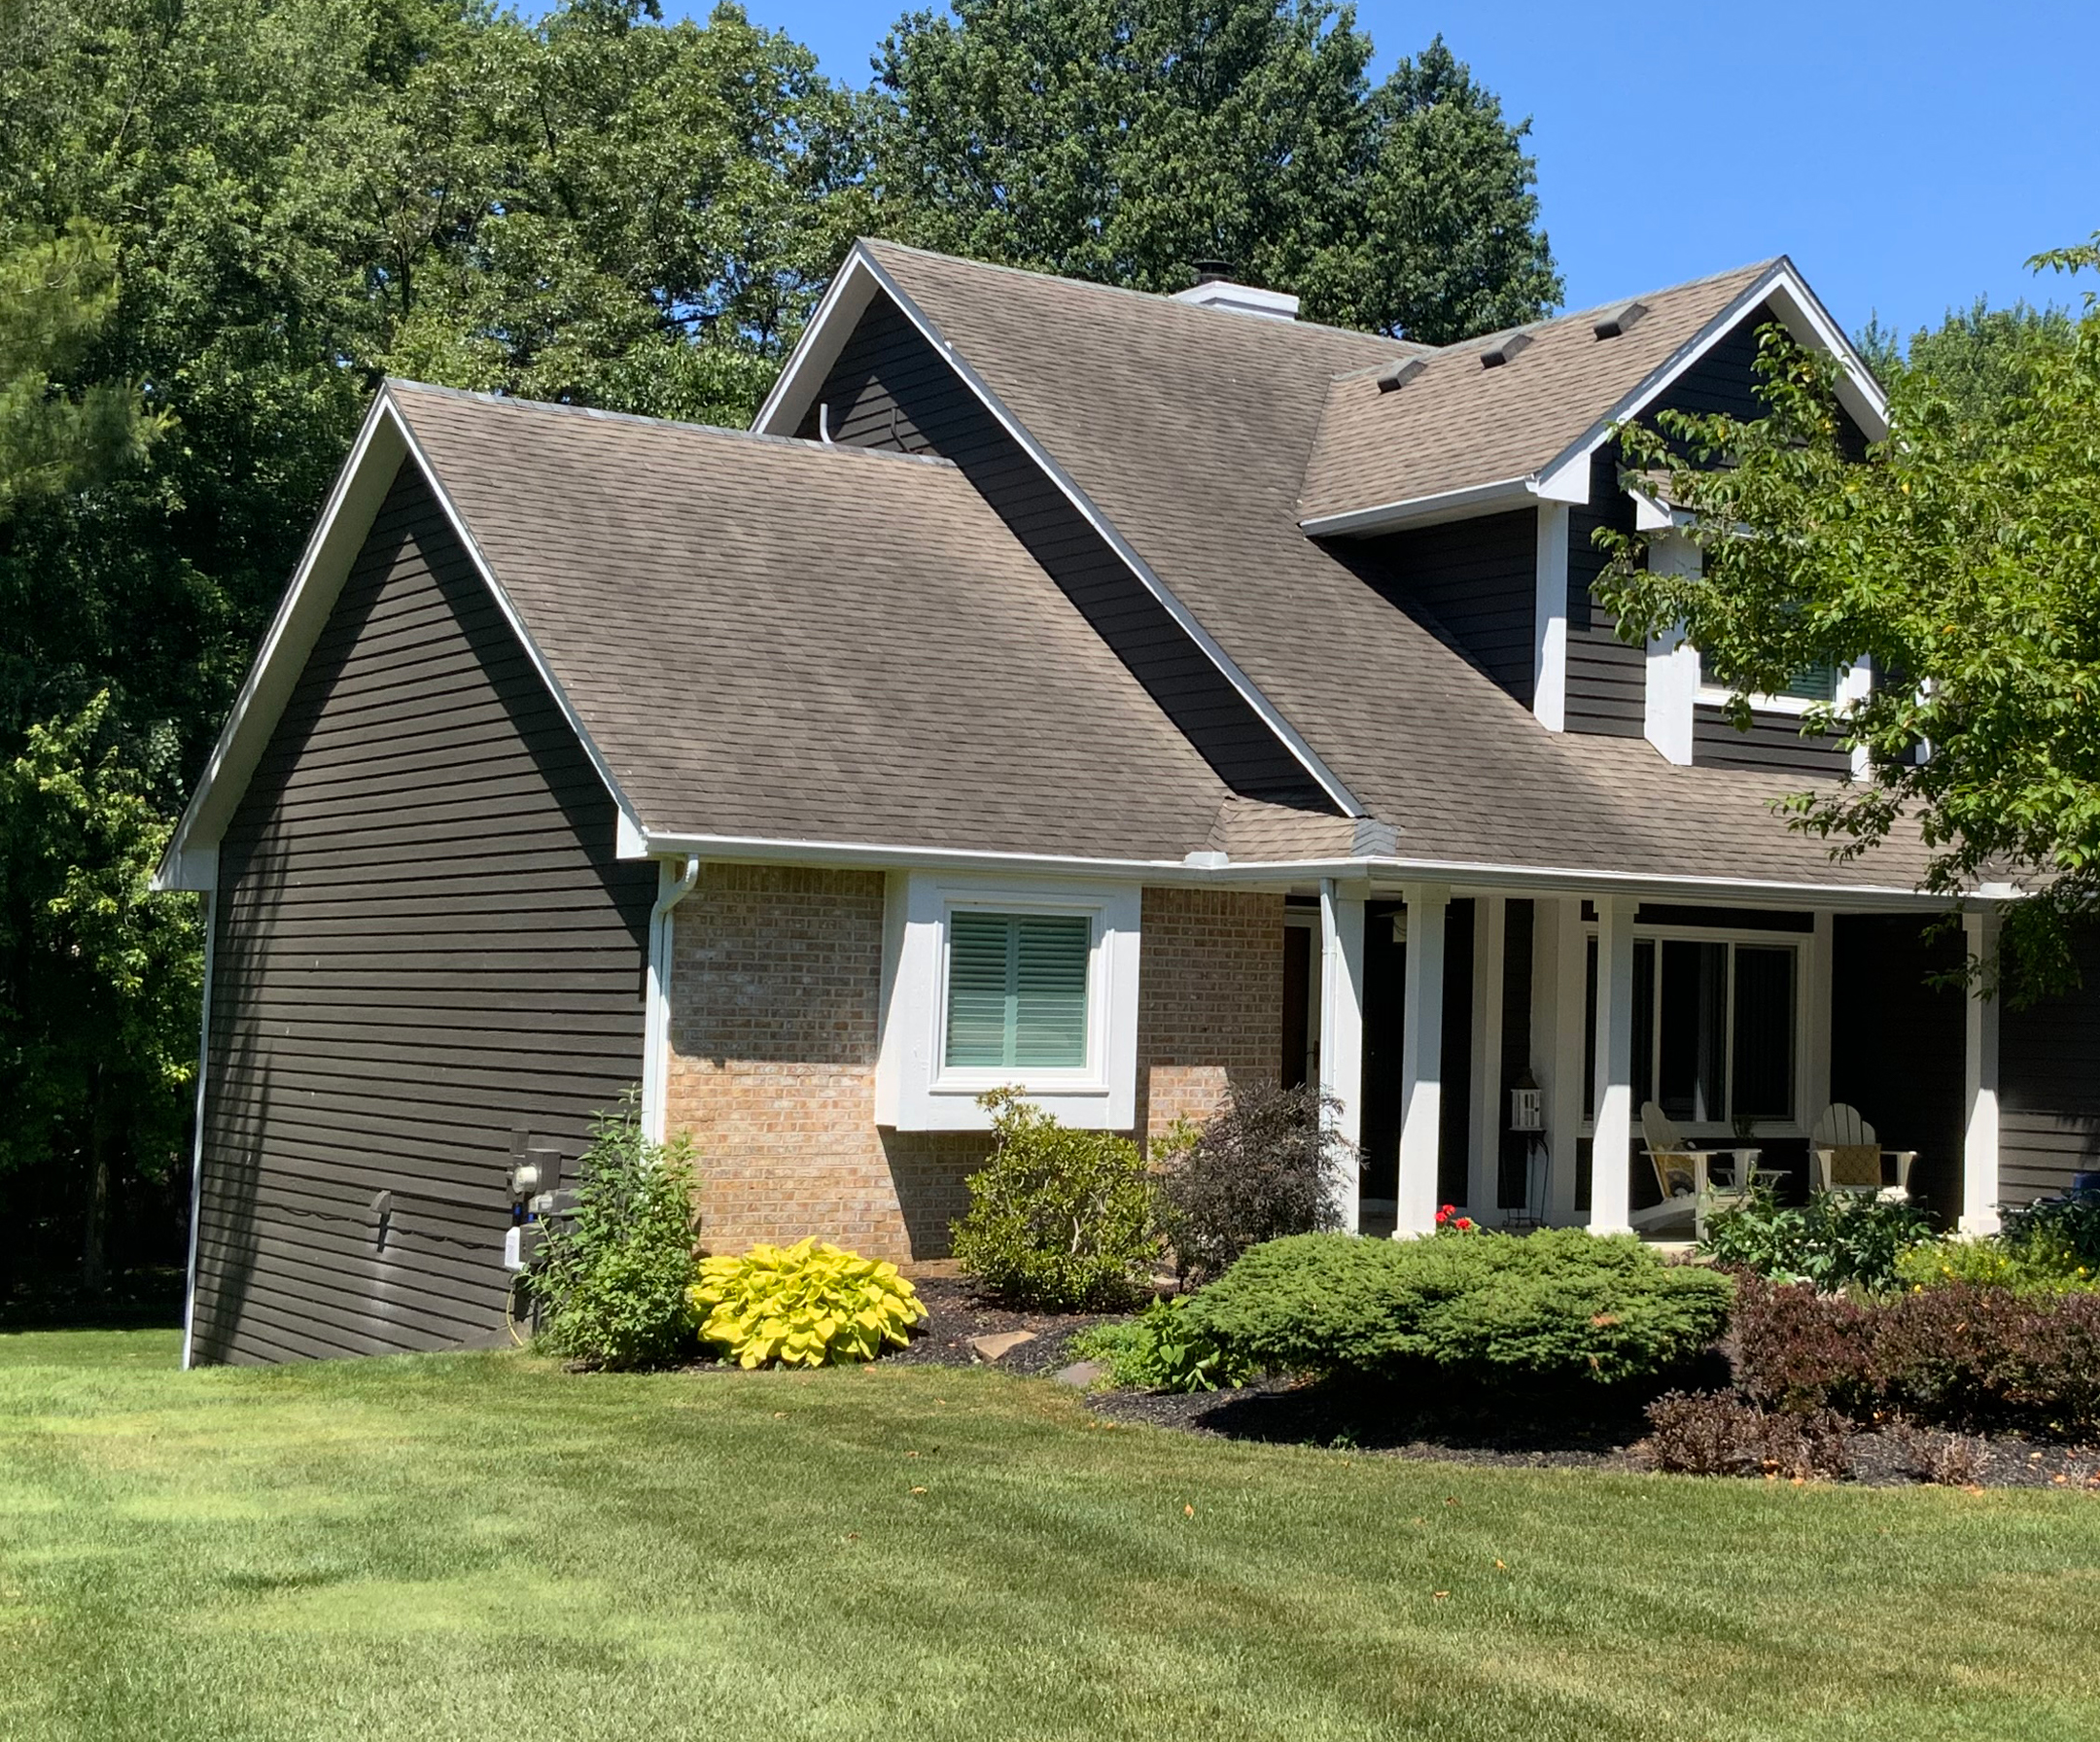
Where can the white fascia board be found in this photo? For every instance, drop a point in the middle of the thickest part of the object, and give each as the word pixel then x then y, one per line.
pixel 191 862
pixel 1385 870
pixel 1472 501
pixel 827 335
pixel 1804 315
pixel 851 289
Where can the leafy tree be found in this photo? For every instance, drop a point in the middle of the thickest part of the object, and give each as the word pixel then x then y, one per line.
pixel 1962 555
pixel 1122 140
pixel 255 208
pixel 1977 357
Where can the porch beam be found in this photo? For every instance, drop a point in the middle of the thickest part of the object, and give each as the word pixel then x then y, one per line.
pixel 1421 1061
pixel 1979 1134
pixel 1484 1158
pixel 1341 1028
pixel 1611 1182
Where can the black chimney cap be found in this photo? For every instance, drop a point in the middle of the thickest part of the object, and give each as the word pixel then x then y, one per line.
pixel 1213 272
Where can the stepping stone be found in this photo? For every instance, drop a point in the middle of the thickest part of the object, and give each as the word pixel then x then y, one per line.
pixel 1081 1373
pixel 992 1349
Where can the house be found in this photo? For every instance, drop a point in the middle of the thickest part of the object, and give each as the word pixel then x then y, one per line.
pixel 1123 696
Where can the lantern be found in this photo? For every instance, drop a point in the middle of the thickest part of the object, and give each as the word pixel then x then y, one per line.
pixel 1526 1104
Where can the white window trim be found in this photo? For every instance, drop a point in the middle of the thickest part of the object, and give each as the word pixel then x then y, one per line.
pixel 918 1089
pixel 1711 696
pixel 1805 1033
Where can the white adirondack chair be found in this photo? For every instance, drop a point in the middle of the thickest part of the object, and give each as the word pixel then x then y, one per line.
pixel 1848 1157
pixel 1688 1193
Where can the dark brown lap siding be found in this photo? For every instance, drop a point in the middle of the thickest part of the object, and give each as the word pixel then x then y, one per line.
pixel 423 943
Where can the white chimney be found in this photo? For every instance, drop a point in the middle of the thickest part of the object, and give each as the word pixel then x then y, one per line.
pixel 1213 289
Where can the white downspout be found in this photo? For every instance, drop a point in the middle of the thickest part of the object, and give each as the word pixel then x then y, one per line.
pixel 657 1020
pixel 197 1145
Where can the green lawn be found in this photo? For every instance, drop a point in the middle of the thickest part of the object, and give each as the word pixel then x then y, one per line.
pixel 482 1546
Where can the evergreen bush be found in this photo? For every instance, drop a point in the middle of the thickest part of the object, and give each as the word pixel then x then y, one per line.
pixel 1558 1303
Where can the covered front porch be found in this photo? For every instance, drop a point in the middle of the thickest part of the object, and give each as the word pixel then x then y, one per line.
pixel 1422 1007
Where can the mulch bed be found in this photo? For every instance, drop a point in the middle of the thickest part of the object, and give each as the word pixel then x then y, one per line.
pixel 1568 1429
pixel 957 1312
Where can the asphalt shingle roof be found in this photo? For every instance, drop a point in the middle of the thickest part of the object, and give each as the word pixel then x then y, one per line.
pixel 788 641
pixel 1455 424
pixel 1192 430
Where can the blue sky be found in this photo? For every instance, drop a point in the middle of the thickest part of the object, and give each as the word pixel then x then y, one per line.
pixel 1908 156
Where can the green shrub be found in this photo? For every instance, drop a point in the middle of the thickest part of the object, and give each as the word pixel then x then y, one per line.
pixel 1560 1303
pixel 1837 1239
pixel 808 1305
pixel 1162 1349
pixel 2038 1266
pixel 1264 1166
pixel 613 1275
pixel 2058 1230
pixel 1059 1219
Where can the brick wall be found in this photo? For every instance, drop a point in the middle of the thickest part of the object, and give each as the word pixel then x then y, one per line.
pixel 775 988
pixel 1211 1001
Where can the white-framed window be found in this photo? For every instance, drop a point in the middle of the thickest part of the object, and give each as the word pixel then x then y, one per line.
pixel 992 984
pixel 1720 1028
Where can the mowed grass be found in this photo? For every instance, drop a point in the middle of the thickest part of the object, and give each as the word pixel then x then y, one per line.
pixel 482 1545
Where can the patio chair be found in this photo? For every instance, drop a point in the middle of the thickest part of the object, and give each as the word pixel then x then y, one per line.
pixel 1848 1157
pixel 1688 1193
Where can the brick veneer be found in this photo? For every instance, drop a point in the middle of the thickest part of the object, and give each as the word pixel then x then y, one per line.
pixel 1211 1002
pixel 775 997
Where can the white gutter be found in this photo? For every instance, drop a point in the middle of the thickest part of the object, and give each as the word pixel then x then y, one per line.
pixel 657 1017
pixel 1434 509
pixel 196 1141
pixel 1279 873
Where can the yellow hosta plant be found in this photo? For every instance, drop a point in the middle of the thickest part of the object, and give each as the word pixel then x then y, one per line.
pixel 808 1305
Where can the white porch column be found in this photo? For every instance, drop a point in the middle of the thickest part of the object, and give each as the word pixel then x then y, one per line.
pixel 1340 1035
pixel 1483 1160
pixel 1421 1061
pixel 1611 1182
pixel 1979 1137
pixel 1559 978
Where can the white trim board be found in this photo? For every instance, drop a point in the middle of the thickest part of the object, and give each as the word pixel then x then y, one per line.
pixel 384 441
pixel 826 336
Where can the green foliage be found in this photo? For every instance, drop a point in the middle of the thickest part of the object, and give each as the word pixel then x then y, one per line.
pixel 614 1275
pixel 1162 1349
pixel 1838 1240
pixel 808 1305
pixel 1993 1263
pixel 1962 553
pixel 58 433
pixel 1979 357
pixel 1264 1166
pixel 2065 1228
pixel 1560 1303
pixel 1121 140
pixel 255 208
pixel 1059 1218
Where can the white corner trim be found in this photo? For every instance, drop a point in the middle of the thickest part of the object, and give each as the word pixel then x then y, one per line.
pixel 1549 619
pixel 191 862
pixel 196 1141
pixel 828 329
pixel 928 1095
pixel 1804 317
pixel 671 890
pixel 1672 668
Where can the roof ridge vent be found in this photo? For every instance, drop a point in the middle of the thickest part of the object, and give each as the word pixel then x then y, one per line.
pixel 1496 355
pixel 1399 374
pixel 1619 320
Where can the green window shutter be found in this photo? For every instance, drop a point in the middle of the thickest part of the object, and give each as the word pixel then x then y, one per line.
pixel 1017 986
